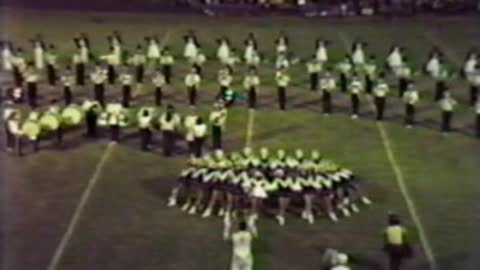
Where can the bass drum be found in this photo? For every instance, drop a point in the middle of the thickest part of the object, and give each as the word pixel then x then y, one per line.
pixel 31 130
pixel 49 122
pixel 72 115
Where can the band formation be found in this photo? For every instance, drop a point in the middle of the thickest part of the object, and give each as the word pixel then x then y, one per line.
pixel 153 64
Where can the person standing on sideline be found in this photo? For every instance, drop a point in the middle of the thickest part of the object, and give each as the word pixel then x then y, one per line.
pixel 410 98
pixel 251 83
pixel 356 88
pixel 283 80
pixel 380 92
pixel 192 81
pixel 199 134
pixel 158 81
pixel 396 243
pixel 168 124
pixel 218 117
pixel 447 105
pixel 242 257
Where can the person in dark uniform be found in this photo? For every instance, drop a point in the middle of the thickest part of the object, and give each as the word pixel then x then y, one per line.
pixel 98 78
pixel 396 243
pixel 168 124
pixel 67 81
pixel 51 59
pixel 251 83
pixel 31 78
pixel 158 81
pixel 410 98
pixel 327 86
pixel 380 92
pixel 218 117
pixel 79 70
pixel 166 61
pixel 92 111
pixel 283 80
pixel 111 66
pixel 126 80
pixel 441 84
pixel 447 105
pixel 192 81
pixel 145 116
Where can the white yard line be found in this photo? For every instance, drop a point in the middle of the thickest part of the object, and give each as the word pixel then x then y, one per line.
pixel 250 124
pixel 54 262
pixel 80 207
pixel 400 179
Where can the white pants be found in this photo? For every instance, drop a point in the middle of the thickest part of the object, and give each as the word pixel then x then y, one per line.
pixel 242 263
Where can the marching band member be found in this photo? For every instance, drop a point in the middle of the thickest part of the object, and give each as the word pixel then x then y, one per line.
pixel 138 60
pixel 441 83
pixel 145 117
pixel 283 80
pixel 158 81
pixel 19 66
pixel 470 64
pixel 51 59
pixel 79 69
pixel 189 124
pixel 98 77
pixel 7 56
pixel 192 81
pixel 282 61
pixel 356 88
pixel 370 71
pixel 327 86
pixel 169 122
pixel 31 77
pixel 321 53
pixel 198 60
pixel 11 120
pixel 395 59
pixel 251 83
pixel 166 61
pixel 17 95
pixel 191 46
pixel 126 80
pixel 281 44
pixel 251 54
pixel 67 81
pixel 218 118
pixel 314 66
pixel 54 111
pixel 31 129
pixel 153 49
pixel 38 53
pixel 344 67
pixel 225 80
pixel 115 119
pixel 380 92
pixel 474 81
pixel 404 74
pixel 92 111
pixel 447 105
pixel 410 98
pixel 358 54
pixel 113 61
pixel 434 65
pixel 223 50
pixel 199 133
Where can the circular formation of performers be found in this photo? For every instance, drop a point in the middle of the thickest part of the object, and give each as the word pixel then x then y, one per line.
pixel 152 64
pixel 224 184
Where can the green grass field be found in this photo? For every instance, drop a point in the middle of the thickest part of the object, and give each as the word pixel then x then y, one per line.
pixel 125 223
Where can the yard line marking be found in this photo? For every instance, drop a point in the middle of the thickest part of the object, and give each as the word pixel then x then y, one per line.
pixel 400 179
pixel 251 120
pixel 86 195
pixel 80 207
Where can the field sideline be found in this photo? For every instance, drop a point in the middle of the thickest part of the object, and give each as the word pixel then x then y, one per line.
pixel 117 202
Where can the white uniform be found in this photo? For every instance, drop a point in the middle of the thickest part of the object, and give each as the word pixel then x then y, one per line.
pixel 321 53
pixel 38 56
pixel 191 49
pixel 7 58
pixel 433 67
pixel 358 56
pixel 153 51
pixel 242 258
pixel 223 52
pixel 395 60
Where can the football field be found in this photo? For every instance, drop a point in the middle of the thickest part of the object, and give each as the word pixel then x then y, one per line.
pixel 99 205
